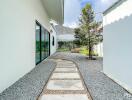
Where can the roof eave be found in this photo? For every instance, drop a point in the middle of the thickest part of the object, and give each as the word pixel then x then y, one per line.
pixel 55 10
pixel 119 2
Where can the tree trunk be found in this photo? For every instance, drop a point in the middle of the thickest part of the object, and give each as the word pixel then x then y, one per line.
pixel 90 52
pixel 90 49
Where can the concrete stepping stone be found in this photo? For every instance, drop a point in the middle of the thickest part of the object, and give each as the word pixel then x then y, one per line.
pixel 67 66
pixel 68 62
pixel 59 60
pixel 65 76
pixel 65 63
pixel 66 70
pixel 65 85
pixel 65 97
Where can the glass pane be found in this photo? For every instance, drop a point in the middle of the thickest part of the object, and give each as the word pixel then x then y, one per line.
pixel 42 44
pixel 46 44
pixel 45 54
pixel 37 43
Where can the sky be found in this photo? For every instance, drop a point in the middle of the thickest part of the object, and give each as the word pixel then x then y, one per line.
pixel 72 10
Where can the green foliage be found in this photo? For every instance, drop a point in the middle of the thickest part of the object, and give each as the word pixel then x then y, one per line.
pixel 86 34
pixel 65 45
pixel 62 49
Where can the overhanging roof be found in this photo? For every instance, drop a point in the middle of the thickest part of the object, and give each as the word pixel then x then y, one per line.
pixel 55 10
pixel 113 6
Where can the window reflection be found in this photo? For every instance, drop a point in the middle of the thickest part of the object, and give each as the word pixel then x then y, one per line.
pixel 42 43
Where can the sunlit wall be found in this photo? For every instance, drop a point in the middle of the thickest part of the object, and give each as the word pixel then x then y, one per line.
pixel 118 44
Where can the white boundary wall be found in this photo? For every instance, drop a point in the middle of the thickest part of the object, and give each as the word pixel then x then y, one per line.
pixel 118 44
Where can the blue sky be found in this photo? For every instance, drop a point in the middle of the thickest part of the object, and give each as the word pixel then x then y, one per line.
pixel 73 10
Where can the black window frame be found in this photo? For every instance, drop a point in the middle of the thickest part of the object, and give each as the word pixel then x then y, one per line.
pixel 46 33
pixel 37 23
pixel 53 40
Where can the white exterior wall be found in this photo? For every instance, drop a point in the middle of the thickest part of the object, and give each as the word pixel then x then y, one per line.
pixel 65 37
pixel 17 38
pixel 118 44
pixel 53 48
pixel 99 49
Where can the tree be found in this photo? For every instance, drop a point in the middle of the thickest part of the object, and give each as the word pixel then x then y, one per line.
pixel 87 31
pixel 79 41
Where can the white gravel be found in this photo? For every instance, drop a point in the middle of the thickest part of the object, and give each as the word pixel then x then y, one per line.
pixel 99 85
pixel 30 86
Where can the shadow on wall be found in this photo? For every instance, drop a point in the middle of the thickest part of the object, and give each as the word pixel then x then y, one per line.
pixel 118 50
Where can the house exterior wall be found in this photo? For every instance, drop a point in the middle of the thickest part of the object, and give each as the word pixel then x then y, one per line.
pixel 53 47
pixel 65 37
pixel 99 49
pixel 117 44
pixel 17 38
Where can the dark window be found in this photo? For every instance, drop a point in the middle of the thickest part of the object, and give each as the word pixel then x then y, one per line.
pixel 38 48
pixel 53 41
pixel 42 43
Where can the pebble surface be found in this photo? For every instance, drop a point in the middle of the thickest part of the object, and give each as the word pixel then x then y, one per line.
pixel 30 86
pixel 99 85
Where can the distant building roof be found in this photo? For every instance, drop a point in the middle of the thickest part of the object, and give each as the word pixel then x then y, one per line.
pixel 113 6
pixel 64 30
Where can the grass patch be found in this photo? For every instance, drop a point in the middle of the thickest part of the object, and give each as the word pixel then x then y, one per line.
pixel 63 49
pixel 85 51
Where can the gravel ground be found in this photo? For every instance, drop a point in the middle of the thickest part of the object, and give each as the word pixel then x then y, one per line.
pixel 30 86
pixel 99 85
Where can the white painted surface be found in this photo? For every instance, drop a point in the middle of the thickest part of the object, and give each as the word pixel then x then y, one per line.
pixel 65 97
pixel 55 9
pixel 66 37
pixel 53 47
pixel 17 38
pixel 99 49
pixel 118 13
pixel 118 47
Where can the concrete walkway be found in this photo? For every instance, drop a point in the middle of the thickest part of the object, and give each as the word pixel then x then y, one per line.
pixel 65 83
pixel 99 85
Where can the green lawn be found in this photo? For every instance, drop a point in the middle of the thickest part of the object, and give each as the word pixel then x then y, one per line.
pixel 63 49
pixel 84 51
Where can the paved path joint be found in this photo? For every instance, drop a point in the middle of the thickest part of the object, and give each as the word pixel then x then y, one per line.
pixel 65 83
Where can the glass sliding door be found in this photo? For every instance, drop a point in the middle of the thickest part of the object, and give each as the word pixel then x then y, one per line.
pixel 42 43
pixel 47 44
pixel 38 48
pixel 45 50
pixel 45 36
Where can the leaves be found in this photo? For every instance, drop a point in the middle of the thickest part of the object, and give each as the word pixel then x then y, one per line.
pixel 87 33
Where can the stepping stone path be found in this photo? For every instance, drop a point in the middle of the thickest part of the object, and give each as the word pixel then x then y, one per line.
pixel 65 83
